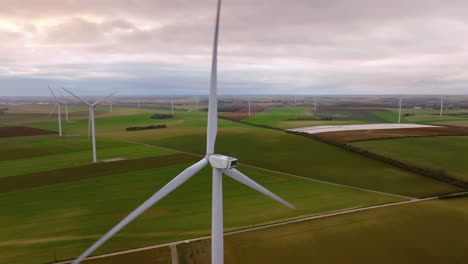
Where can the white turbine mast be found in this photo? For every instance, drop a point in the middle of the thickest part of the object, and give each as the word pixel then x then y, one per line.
pixel 59 114
pixel 220 164
pixel 315 104
pixel 198 102
pixel 91 118
pixel 65 102
pixel 250 111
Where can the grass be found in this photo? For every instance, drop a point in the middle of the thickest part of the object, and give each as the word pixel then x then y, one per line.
pixel 305 157
pixel 424 232
pixel 281 116
pixel 446 153
pixel 61 220
pixel 43 153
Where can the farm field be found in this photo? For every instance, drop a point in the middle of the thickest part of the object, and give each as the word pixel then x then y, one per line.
pixel 448 153
pixel 281 116
pixel 64 202
pixel 264 148
pixel 36 154
pixel 373 134
pixel 306 157
pixel 58 221
pixel 363 237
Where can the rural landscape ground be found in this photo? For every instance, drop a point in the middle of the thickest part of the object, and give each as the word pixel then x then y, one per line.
pixel 386 196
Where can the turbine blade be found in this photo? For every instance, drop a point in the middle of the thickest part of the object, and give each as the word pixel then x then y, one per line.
pixel 176 182
pixel 240 177
pixel 97 102
pixel 212 129
pixel 52 110
pixel 77 97
pixel 52 92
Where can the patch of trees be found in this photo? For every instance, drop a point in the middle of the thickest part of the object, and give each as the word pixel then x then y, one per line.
pixel 3 110
pixel 146 127
pixel 162 116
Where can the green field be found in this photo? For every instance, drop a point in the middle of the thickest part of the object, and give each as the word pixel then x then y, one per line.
pixel 305 157
pixel 282 117
pixel 425 232
pixel 62 219
pixel 59 203
pixel 438 153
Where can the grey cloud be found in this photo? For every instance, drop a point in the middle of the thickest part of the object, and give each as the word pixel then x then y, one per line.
pixel 339 45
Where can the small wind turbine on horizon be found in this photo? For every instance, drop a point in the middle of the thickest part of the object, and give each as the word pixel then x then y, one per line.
pixel 220 164
pixel 315 104
pixel 91 118
pixel 65 102
pixel 250 112
pixel 59 114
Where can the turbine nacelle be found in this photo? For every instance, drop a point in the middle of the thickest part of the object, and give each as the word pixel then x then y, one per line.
pixel 218 161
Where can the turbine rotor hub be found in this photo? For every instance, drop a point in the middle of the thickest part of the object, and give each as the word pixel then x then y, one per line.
pixel 218 161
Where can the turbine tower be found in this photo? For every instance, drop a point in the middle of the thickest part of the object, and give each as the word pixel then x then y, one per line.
pixel 56 106
pixel 399 112
pixel 220 164
pixel 91 119
pixel 198 101
pixel 315 104
pixel 250 113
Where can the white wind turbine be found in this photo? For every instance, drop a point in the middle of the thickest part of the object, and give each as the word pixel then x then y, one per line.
pixel 65 102
pixel 91 119
pixel 250 112
pixel 220 164
pixel 59 115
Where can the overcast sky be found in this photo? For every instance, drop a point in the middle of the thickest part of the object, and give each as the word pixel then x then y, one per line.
pixel 266 46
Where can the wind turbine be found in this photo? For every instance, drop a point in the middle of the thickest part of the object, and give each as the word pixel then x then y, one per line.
pixel 315 103
pixel 250 113
pixel 91 119
pixel 65 102
pixel 59 115
pixel 220 164
pixel 441 106
pixel 399 112
pixel 110 105
pixel 198 104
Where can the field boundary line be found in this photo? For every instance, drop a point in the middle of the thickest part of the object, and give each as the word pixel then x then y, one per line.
pixel 291 175
pixel 266 226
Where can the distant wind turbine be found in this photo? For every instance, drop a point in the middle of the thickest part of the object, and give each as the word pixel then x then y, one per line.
pixel 56 106
pixel 65 102
pixel 91 118
pixel 250 112
pixel 315 103
pixel 198 104
pixel 220 164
